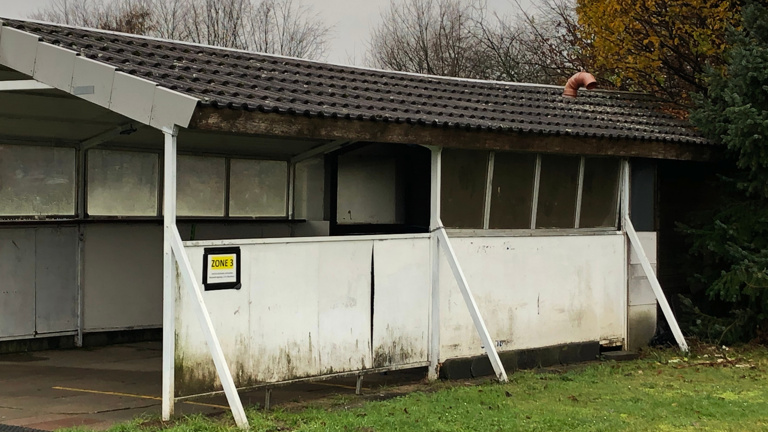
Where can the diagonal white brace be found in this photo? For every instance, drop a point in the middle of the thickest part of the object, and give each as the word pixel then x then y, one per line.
pixel 225 376
pixel 655 285
pixel 474 311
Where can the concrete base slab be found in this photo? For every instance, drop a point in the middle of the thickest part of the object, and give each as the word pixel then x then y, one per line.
pixel 97 388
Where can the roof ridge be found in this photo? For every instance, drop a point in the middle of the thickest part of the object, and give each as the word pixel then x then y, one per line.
pixel 279 56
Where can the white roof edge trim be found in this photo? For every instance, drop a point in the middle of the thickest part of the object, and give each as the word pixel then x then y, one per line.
pixel 319 62
pixel 181 114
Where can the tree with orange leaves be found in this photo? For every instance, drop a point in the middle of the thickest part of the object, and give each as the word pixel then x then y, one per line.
pixel 659 46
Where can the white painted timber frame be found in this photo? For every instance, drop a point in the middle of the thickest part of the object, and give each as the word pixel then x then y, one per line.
pixel 54 67
pixel 440 239
pixel 175 256
pixel 634 241
pixel 23 85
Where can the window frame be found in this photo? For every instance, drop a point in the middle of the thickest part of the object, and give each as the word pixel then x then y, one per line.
pixel 49 217
pixel 487 204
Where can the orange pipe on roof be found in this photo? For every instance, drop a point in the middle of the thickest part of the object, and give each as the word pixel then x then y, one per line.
pixel 577 81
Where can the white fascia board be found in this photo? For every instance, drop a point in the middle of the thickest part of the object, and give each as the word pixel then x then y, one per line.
pixel 18 50
pixel 171 108
pixel 93 80
pixel 23 85
pixel 54 66
pixel 132 97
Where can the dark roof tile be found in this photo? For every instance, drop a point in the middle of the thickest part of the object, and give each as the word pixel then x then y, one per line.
pixel 230 79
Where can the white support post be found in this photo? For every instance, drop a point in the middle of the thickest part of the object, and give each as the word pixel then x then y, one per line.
pixel 474 311
pixel 655 285
pixel 580 193
pixel 536 183
pixel 488 190
pixel 169 272
pixel 434 224
pixel 623 212
pixel 80 246
pixel 225 376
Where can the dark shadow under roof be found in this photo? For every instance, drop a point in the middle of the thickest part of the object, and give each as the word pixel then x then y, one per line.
pixel 236 80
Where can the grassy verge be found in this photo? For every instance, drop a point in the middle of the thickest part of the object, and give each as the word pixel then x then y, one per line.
pixel 723 390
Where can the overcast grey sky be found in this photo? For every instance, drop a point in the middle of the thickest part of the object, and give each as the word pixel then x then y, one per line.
pixel 351 20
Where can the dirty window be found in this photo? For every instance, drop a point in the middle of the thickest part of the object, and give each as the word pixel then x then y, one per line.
pixel 201 186
pixel 600 193
pixel 309 189
pixel 122 183
pixel 558 188
pixel 37 181
pixel 463 188
pixel 258 188
pixel 512 190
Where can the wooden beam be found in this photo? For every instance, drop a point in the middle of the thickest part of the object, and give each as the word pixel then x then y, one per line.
pixel 295 126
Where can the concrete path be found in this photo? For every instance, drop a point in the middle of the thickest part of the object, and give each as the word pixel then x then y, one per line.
pixel 96 388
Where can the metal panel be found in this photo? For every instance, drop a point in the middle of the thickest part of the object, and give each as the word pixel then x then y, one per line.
pixel 132 97
pixel 89 73
pixel 401 301
pixel 535 292
pixel 171 108
pixel 56 279
pixel 17 291
pixel 123 283
pixel 18 50
pixel 54 66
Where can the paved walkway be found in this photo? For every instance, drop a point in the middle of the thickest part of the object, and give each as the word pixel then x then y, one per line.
pixel 96 388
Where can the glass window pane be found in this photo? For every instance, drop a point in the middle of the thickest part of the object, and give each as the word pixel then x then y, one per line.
pixel 600 193
pixel 201 186
pixel 512 192
pixel 558 187
pixel 257 188
pixel 122 183
pixel 463 188
pixel 37 181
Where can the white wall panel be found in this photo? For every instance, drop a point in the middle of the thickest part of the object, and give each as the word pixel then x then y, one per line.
pixel 56 264
pixel 17 290
pixel 308 303
pixel 401 302
pixel 534 292
pixel 123 281
pixel 304 310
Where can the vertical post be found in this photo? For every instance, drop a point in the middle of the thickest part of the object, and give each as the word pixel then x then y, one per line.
pixel 80 244
pixel 291 188
pixel 580 192
pixel 488 190
pixel 169 299
pixel 536 182
pixel 435 224
pixel 623 216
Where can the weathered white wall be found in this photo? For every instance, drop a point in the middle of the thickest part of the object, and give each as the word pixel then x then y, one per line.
pixel 38 288
pixel 123 276
pixel 305 310
pixel 305 306
pixel 641 309
pixel 534 291
pixel 123 271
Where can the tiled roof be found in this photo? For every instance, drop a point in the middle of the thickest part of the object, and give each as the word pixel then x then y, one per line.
pixel 231 79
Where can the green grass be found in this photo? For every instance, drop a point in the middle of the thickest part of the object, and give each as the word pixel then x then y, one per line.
pixel 713 390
